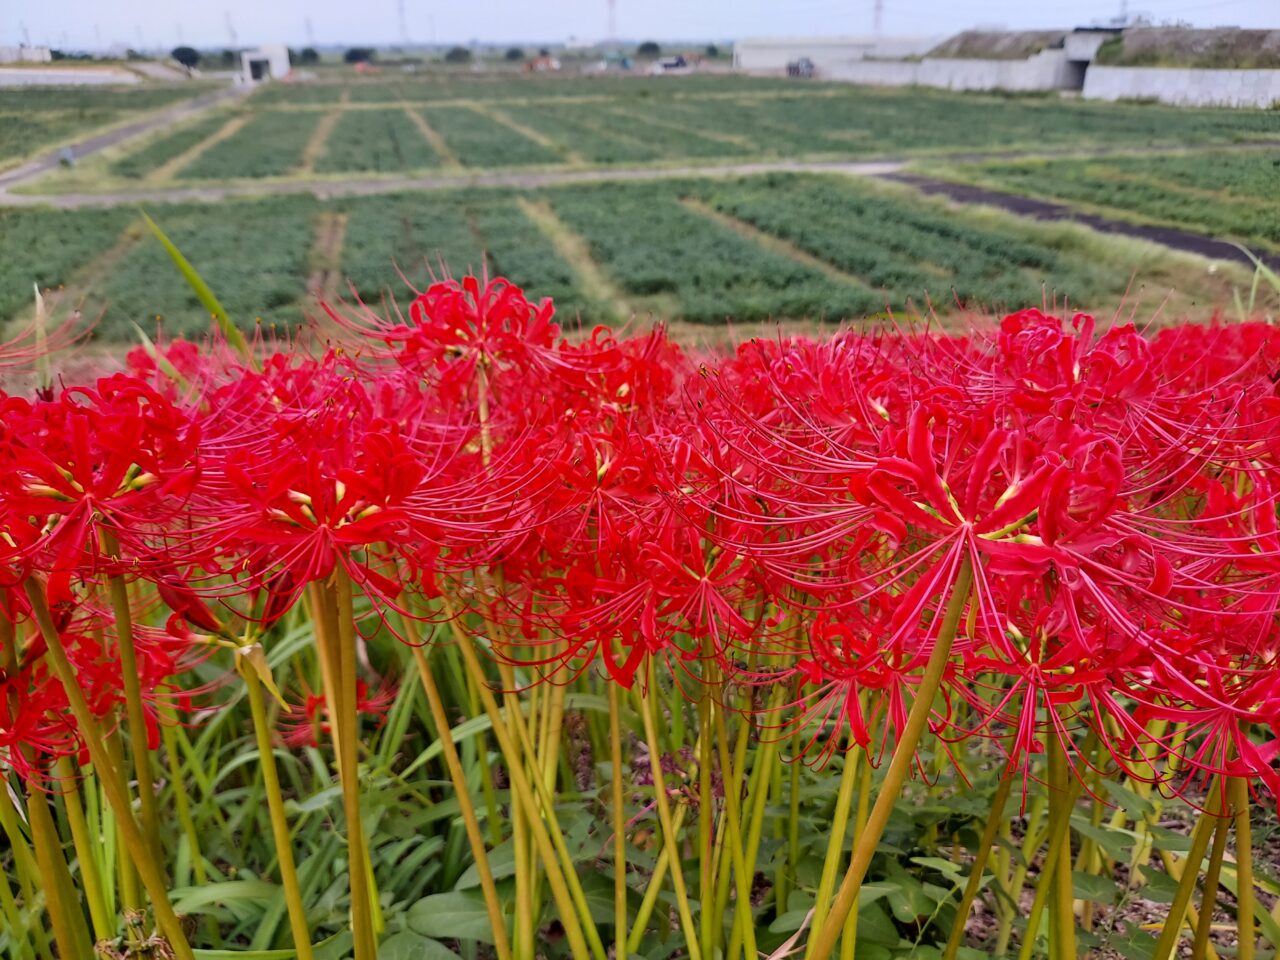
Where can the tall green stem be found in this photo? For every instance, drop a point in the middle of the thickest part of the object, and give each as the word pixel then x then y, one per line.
pixel 651 707
pixel 1208 899
pixel 1205 827
pixel 279 821
pixel 1246 900
pixel 994 818
pixel 117 795
pixel 135 714
pixel 619 809
pixel 899 766
pixel 502 945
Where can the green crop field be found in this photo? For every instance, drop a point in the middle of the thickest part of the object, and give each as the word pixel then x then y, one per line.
pixel 143 162
pixel 36 117
pixel 269 145
pixel 1232 195
pixel 784 246
pixel 375 140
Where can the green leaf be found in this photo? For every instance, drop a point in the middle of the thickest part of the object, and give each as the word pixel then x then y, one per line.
pixel 453 916
pixel 1090 886
pixel 258 893
pixel 407 945
pixel 789 922
pixel 1116 844
pixel 202 291
pixel 1135 806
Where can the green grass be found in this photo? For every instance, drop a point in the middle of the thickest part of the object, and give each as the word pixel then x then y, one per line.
pixel 269 145
pixel 375 141
pixel 479 141
pixel 142 162
pixel 1233 195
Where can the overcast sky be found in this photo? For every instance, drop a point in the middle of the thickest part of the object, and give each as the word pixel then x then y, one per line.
pixel 94 24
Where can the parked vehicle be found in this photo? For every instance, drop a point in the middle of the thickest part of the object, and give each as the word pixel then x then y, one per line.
pixel 801 68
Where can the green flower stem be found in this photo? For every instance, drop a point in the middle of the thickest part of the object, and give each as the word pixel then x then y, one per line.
pixel 849 936
pixel 135 714
pixel 899 767
pixel 1172 929
pixel 706 867
pixel 619 809
pixel 1059 846
pixel 995 816
pixel 1208 899
pixel 853 757
pixel 457 774
pixel 1246 898
pixel 652 705
pixel 61 901
pixel 652 891
pixel 126 875
pixel 744 922
pixel 279 821
pixel 86 851
pixel 1062 801
pixel 117 794
pixel 569 916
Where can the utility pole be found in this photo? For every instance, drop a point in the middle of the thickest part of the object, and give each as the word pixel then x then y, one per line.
pixel 404 24
pixel 231 30
pixel 613 20
pixel 311 32
pixel 879 17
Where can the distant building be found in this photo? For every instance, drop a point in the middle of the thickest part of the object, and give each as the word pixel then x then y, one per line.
pixel 269 62
pixel 25 54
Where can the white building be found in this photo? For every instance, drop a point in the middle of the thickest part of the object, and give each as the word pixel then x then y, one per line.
pixel 25 54
pixel 774 53
pixel 268 62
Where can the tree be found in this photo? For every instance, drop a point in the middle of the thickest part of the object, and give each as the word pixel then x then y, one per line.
pixel 544 51
pixel 713 51
pixel 514 53
pixel 649 49
pixel 187 56
pixel 358 55
pixel 230 58
pixel 308 56
pixel 458 55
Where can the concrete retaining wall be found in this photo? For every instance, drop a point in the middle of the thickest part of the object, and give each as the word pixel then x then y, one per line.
pixel 1185 87
pixel 1047 70
pixel 69 76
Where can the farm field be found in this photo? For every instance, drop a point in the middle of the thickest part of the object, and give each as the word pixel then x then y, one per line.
pixel 1231 195
pixel 707 252
pixel 376 127
pixel 34 118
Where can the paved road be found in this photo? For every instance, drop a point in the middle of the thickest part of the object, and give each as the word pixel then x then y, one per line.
pixel 1171 237
pixel 38 167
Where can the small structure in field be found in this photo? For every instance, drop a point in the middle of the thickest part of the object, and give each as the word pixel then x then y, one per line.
pixel 268 62
pixel 24 53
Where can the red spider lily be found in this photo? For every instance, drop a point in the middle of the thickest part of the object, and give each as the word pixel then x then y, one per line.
pixel 307 724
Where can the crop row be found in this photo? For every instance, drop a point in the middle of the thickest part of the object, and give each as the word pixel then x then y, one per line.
pixel 22 133
pixel 1233 195
pixel 375 140
pixel 142 162
pixel 480 141
pixel 652 246
pixel 269 145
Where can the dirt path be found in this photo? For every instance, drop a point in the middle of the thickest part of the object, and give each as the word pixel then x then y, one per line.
pixel 326 255
pixel 171 168
pixel 1171 237
pixel 448 159
pixel 594 282
pixel 84 148
pixel 319 140
pixel 774 244
pixel 541 139
pixel 352 187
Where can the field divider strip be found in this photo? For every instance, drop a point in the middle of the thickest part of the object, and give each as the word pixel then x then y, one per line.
pixel 502 118
pixel 594 281
pixel 315 147
pixel 714 136
pixel 774 244
pixel 429 133
pixel 166 172
pixel 326 255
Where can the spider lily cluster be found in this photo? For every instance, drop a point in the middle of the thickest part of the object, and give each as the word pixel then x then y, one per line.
pixel 1048 546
